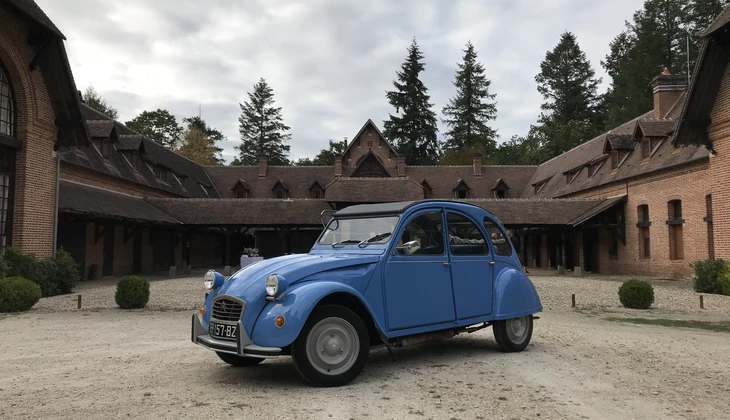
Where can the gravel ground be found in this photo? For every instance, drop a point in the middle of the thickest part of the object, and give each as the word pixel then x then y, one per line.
pixel 58 362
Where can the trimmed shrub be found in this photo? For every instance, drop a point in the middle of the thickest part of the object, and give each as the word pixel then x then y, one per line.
pixel 66 273
pixel 18 294
pixel 133 292
pixel 55 276
pixel 724 281
pixel 708 274
pixel 636 294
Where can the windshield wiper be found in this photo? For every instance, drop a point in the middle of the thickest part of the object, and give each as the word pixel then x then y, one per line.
pixel 348 241
pixel 377 237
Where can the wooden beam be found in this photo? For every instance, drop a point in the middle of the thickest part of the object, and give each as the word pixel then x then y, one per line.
pixel 129 232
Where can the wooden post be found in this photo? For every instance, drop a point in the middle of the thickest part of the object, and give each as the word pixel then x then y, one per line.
pixel 79 302
pixel 702 302
pixel 572 297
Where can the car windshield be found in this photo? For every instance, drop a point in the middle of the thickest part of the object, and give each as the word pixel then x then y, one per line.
pixel 370 230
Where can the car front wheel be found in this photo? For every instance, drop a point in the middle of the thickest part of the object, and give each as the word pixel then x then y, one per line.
pixel 332 348
pixel 239 361
pixel 513 334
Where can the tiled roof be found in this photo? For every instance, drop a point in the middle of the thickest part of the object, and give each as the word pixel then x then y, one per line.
pixel 31 10
pixel 442 179
pixel 98 202
pixel 622 141
pixel 656 128
pixel 190 174
pixel 298 179
pixel 721 20
pixel 374 190
pixel 244 211
pixel 100 128
pixel 533 211
pixel 665 156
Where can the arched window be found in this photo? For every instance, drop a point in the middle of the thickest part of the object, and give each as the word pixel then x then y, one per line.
pixel 7 105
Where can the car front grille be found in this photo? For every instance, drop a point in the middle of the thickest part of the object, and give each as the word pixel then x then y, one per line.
pixel 227 310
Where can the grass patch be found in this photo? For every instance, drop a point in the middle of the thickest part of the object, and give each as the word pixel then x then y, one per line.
pixel 700 325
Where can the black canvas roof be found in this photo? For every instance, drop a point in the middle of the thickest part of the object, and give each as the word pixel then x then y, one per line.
pixel 375 209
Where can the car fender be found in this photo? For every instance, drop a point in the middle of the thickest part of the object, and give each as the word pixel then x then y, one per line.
pixel 514 295
pixel 296 306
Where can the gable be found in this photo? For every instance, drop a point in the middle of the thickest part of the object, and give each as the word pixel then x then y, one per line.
pixel 370 166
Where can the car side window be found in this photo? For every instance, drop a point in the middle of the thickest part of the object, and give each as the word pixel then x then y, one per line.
pixel 465 238
pixel 500 240
pixel 423 235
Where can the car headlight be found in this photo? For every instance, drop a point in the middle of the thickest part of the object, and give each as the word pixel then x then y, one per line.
pixel 272 285
pixel 213 280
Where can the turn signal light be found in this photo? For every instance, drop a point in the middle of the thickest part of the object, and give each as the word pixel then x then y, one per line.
pixel 280 320
pixel 202 310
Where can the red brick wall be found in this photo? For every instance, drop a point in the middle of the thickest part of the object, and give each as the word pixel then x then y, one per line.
pixel 35 165
pixel 719 171
pixel 690 184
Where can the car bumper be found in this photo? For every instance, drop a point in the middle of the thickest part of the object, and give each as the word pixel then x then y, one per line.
pixel 242 346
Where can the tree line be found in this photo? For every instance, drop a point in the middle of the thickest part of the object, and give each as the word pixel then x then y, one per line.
pixel 573 111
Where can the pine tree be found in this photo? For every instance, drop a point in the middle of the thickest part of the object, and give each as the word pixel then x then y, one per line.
pixel 470 111
pixel 263 133
pixel 94 100
pixel 655 39
pixel 198 147
pixel 569 85
pixel 413 130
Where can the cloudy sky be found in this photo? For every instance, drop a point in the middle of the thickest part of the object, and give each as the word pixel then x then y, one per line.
pixel 328 61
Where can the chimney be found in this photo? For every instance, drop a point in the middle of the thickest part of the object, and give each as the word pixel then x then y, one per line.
pixel 338 166
pixel 477 165
pixel 262 167
pixel 401 165
pixel 667 89
pixel 345 144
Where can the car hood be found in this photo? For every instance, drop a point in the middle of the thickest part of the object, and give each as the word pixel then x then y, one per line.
pixel 250 281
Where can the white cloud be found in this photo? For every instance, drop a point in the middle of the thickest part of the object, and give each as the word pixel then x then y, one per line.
pixel 328 61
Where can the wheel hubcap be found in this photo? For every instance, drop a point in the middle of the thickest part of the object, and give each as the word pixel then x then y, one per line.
pixel 517 329
pixel 333 346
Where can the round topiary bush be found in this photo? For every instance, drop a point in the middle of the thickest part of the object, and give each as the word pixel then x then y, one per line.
pixel 636 294
pixel 18 294
pixel 133 292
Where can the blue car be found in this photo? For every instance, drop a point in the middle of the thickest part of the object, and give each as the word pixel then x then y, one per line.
pixel 390 275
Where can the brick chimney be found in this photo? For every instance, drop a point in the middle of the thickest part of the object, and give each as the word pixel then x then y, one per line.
pixel 262 167
pixel 667 89
pixel 401 165
pixel 477 165
pixel 345 144
pixel 338 166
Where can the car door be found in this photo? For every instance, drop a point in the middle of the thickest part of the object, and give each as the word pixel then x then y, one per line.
pixel 502 245
pixel 472 266
pixel 417 279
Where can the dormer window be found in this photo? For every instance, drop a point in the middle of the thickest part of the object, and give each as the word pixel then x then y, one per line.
pixel 538 186
pixel 316 191
pixel 280 190
pixel 202 187
pixel 461 190
pixel 500 188
pixel 645 149
pixel 161 173
pixel 614 160
pixel 241 193
pixel 427 190
pixel 241 189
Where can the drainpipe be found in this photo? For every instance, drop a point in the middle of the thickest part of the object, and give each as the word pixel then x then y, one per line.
pixel 55 213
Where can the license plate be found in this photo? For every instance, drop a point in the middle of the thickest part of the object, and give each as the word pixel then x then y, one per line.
pixel 222 330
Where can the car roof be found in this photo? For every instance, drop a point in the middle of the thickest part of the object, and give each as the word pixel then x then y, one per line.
pixel 395 208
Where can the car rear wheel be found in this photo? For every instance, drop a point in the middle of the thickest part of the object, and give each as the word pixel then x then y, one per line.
pixel 513 334
pixel 332 348
pixel 239 361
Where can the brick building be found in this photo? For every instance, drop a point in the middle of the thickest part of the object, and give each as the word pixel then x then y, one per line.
pixel 637 199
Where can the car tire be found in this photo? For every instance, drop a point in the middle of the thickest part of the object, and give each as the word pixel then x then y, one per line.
pixel 514 334
pixel 332 348
pixel 239 361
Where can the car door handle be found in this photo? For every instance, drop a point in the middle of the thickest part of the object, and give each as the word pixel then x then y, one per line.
pixel 446 263
pixel 491 262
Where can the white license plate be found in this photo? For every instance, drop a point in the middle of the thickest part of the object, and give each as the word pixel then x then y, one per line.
pixel 222 330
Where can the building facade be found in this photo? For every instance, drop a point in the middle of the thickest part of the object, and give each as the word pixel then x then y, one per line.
pixel 648 197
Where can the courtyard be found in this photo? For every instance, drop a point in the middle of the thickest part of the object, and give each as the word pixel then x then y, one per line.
pixel 595 361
